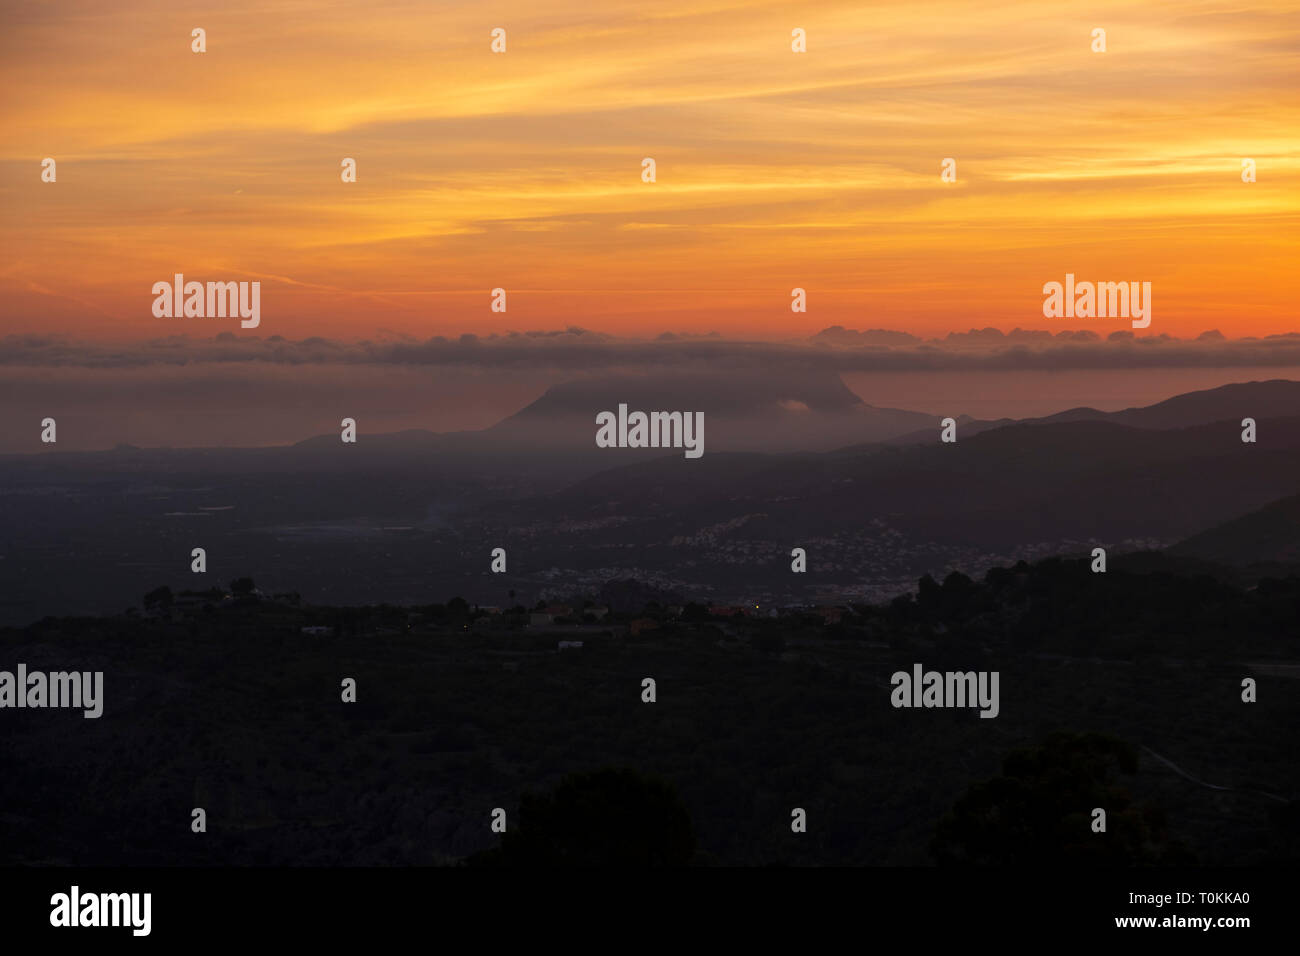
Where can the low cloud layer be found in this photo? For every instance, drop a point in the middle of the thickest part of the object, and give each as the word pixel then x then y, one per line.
pixel 576 351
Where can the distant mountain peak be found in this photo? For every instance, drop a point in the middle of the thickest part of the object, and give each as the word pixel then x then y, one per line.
pixel 729 393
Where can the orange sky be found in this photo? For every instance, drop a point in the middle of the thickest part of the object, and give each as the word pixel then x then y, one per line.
pixel 522 170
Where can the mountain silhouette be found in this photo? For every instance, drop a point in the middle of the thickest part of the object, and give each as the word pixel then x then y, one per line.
pixel 745 409
pixel 1276 398
pixel 1268 536
pixel 1021 482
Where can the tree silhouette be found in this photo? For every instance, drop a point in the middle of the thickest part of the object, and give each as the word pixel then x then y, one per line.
pixel 695 613
pixel 1039 812
pixel 602 818
pixel 162 596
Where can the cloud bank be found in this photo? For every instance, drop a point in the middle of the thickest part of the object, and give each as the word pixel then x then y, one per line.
pixel 577 351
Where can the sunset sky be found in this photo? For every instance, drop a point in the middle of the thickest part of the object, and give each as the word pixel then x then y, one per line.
pixel 522 170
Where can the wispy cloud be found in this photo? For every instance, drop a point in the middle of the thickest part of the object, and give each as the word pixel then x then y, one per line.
pixel 521 170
